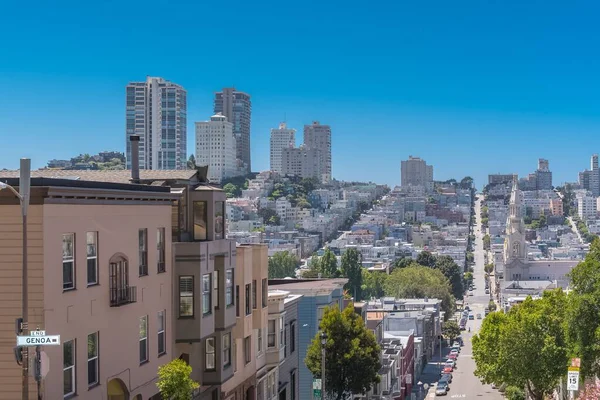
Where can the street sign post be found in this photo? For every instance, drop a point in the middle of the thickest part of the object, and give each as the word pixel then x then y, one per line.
pixel 34 340
pixel 573 380
pixel 317 394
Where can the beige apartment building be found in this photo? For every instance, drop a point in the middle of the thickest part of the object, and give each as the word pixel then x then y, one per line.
pixel 100 276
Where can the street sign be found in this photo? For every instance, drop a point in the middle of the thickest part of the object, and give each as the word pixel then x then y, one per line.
pixel 316 384
pixel 576 362
pixel 317 394
pixel 45 364
pixel 37 333
pixel 51 340
pixel 573 380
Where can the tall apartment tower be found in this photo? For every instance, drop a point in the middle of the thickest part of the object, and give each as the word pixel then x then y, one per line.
pixel 543 175
pixel 215 147
pixel 156 111
pixel 416 172
pixel 594 176
pixel 318 137
pixel 282 138
pixel 237 107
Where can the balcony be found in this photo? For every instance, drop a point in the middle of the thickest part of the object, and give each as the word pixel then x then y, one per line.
pixel 120 296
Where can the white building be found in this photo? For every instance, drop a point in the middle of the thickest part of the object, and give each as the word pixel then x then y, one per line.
pixel 586 206
pixel 215 147
pixel 318 137
pixel 300 161
pixel 282 138
pixel 416 172
pixel 156 111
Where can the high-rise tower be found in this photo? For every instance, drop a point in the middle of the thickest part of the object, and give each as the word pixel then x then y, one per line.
pixel 237 107
pixel 282 138
pixel 318 137
pixel 156 110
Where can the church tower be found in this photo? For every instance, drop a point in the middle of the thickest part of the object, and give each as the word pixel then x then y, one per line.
pixel 515 248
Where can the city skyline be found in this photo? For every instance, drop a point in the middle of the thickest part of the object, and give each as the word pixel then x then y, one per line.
pixel 481 101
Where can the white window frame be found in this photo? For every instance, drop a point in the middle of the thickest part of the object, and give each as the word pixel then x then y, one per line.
pixel 161 334
pixel 207 289
pixel 271 334
pixel 92 255
pixel 216 289
pixel 94 358
pixel 226 350
pixel 185 294
pixel 69 258
pixel 247 349
pixel 161 256
pixel 143 328
pixel 281 333
pixel 143 251
pixel 259 344
pixel 70 369
pixel 210 355
pixel 229 300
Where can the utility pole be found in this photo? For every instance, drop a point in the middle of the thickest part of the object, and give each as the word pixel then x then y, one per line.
pixel 24 187
pixel 323 344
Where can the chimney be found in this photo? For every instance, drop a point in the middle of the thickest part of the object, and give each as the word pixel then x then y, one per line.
pixel 135 158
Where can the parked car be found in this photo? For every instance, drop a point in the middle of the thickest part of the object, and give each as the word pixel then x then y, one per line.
pixel 487 291
pixel 486 312
pixel 450 363
pixel 478 316
pixel 441 389
pixel 447 370
pixel 471 317
pixel 446 378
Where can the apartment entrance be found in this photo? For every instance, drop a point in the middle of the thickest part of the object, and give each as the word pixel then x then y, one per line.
pixel 117 390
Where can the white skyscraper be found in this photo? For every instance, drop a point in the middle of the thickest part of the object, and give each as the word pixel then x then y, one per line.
pixel 237 107
pixel 215 147
pixel 282 138
pixel 416 172
pixel 318 137
pixel 156 110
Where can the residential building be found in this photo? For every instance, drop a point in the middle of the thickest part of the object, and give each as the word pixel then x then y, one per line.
pixel 590 179
pixel 215 147
pixel 282 138
pixel 495 179
pixel 317 295
pixel 237 107
pixel 156 111
pixel 586 206
pixel 416 172
pixel 556 206
pixel 112 303
pixel 301 161
pixel 544 175
pixel 318 137
pixel 288 369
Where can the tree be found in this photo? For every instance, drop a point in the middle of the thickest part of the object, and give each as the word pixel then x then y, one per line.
pixel 269 216
pixel 230 189
pixel 329 265
pixel 417 281
pixel 191 163
pixel 487 242
pixel 451 330
pixel 351 268
pixel 349 345
pixel 453 273
pixel 583 319
pixel 426 259
pixel 525 348
pixel 282 264
pixel 402 262
pixel 373 283
pixel 488 268
pixel 314 268
pixel 468 277
pixel 514 393
pixel 174 382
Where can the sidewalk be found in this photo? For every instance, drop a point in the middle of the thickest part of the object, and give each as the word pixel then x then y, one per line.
pixel 430 375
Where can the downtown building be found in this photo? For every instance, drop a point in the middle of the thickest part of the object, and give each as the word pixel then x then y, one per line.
pixel 237 107
pixel 156 111
pixel 416 173
pixel 317 137
pixel 281 139
pixel 216 148
pixel 590 179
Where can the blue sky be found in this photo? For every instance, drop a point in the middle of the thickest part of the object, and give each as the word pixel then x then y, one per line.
pixel 473 87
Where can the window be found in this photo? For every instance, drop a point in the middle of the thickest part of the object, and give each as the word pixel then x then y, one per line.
pixel 271 333
pixel 186 296
pixel 68 245
pixel 160 247
pixel 237 300
pixel 285 334
pixel 216 289
pixel 292 337
pixel 209 356
pixel 69 367
pixel 143 339
pixel 206 293
pixel 143 251
pixel 254 294
pixel 118 281
pixel 92 258
pixel 200 220
pixel 219 219
pixel 92 349
pixel 227 350
pixel 229 287
pixel 259 343
pixel 162 339
pixel 264 292
pixel 320 312
pixel 293 385
pixel 247 349
pixel 281 333
pixel 248 308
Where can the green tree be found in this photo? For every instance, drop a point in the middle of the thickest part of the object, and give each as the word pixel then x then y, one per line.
pixel 488 268
pixel 417 281
pixel 314 268
pixel 349 344
pixel 269 216
pixel 373 283
pixel 230 190
pixel 453 273
pixel 468 277
pixel 191 163
pixel 514 393
pixel 584 311
pixel 351 268
pixel 174 382
pixel 525 348
pixel 426 259
pixel 329 265
pixel 282 264
pixel 402 262
pixel 450 330
pixel 487 242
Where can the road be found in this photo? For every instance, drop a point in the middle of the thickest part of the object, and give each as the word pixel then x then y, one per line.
pixel 465 385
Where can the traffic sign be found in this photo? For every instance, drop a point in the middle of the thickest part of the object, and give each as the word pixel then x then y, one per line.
pixel 37 333
pixel 573 380
pixel 51 340
pixel 576 362
pixel 317 394
pixel 316 384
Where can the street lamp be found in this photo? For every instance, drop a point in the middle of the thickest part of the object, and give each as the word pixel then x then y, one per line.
pixel 323 344
pixel 23 196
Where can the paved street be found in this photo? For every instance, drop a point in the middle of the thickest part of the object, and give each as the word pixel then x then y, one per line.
pixel 465 385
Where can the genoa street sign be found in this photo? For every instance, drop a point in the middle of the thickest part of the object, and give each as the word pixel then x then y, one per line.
pixel 51 340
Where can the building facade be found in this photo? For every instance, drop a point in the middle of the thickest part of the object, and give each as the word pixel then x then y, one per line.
pixel 216 147
pixel 318 137
pixel 544 175
pixel 416 172
pixel 281 138
pixel 300 161
pixel 156 110
pixel 237 107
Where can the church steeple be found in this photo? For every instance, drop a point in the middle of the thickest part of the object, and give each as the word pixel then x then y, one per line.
pixel 514 243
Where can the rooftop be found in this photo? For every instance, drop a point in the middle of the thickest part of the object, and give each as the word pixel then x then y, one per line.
pixel 307 284
pixel 116 176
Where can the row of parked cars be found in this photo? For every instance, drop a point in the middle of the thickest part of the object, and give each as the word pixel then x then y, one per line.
pixel 443 385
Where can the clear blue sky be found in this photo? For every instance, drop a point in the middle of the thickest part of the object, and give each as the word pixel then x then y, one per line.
pixel 472 86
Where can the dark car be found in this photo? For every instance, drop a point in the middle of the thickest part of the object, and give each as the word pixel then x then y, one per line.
pixel 446 378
